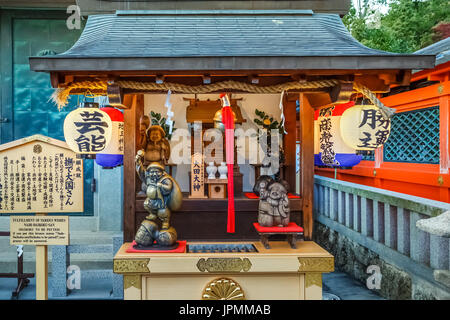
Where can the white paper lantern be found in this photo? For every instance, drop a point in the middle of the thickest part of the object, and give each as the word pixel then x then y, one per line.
pixel 87 130
pixel 363 127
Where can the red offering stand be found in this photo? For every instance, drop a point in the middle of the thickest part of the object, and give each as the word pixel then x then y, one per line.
pixel 252 195
pixel 292 230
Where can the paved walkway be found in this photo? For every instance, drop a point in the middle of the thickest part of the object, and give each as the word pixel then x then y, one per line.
pixel 337 283
pixel 99 289
pixel 347 288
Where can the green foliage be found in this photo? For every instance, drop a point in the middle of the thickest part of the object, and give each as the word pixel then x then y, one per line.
pixel 266 121
pixel 156 119
pixel 405 28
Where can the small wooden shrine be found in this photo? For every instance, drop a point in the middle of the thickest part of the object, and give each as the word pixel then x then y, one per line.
pixel 308 59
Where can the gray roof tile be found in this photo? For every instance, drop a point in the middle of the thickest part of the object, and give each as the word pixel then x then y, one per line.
pixel 186 35
pixel 441 49
pixel 213 40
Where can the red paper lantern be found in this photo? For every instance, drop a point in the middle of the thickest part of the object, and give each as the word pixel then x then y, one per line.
pixel 112 156
pixel 329 147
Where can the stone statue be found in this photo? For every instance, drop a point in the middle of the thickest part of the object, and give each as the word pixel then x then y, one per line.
pixel 273 207
pixel 163 195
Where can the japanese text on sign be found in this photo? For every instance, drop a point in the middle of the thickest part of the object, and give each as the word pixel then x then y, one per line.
pixel 328 155
pixel 197 176
pixel 40 177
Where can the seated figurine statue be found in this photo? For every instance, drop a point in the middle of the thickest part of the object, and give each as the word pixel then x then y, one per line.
pixel 273 207
pixel 153 142
pixel 154 145
pixel 163 195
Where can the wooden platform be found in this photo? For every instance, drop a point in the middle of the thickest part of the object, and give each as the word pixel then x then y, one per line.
pixel 277 273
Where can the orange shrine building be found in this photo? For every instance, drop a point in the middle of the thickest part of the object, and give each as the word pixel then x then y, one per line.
pixel 415 159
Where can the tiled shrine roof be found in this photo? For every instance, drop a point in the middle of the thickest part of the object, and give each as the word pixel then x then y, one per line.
pixel 221 40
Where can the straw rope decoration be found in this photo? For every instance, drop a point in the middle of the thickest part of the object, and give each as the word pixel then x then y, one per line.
pixel 385 111
pixel 61 95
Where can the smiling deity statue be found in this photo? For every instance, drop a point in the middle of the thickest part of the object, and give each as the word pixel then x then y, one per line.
pixel 154 143
pixel 163 195
pixel 154 146
pixel 273 207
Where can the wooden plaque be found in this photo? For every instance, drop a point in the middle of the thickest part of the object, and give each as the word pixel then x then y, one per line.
pixel 40 175
pixel 39 230
pixel 197 177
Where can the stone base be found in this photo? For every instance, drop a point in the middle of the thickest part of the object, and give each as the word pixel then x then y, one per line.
pixel 442 276
pixel 362 264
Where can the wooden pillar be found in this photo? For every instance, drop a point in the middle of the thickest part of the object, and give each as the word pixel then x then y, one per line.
pixel 290 125
pixel 307 163
pixel 135 104
pixel 42 272
pixel 41 269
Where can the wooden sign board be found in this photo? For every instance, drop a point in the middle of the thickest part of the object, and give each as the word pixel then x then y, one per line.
pixel 197 177
pixel 40 175
pixel 39 230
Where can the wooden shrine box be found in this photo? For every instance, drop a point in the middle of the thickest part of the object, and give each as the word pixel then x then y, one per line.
pixel 280 273
pixel 217 188
pixel 203 111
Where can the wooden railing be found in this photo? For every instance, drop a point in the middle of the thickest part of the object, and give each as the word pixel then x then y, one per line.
pixel 383 221
pixel 22 278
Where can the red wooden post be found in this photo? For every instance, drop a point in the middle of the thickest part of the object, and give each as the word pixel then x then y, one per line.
pixel 444 161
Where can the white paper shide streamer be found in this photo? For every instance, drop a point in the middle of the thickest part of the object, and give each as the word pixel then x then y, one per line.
pixel 282 111
pixel 170 113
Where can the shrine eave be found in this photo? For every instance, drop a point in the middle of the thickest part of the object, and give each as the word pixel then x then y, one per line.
pixel 277 63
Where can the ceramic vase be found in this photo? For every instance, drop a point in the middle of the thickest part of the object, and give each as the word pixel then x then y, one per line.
pixel 223 170
pixel 211 170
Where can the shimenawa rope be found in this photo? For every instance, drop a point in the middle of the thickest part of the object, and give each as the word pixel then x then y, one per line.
pixel 61 95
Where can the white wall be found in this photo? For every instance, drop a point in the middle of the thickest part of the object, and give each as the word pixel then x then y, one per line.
pixel 268 103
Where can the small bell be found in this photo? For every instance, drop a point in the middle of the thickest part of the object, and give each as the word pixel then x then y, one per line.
pixel 218 124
